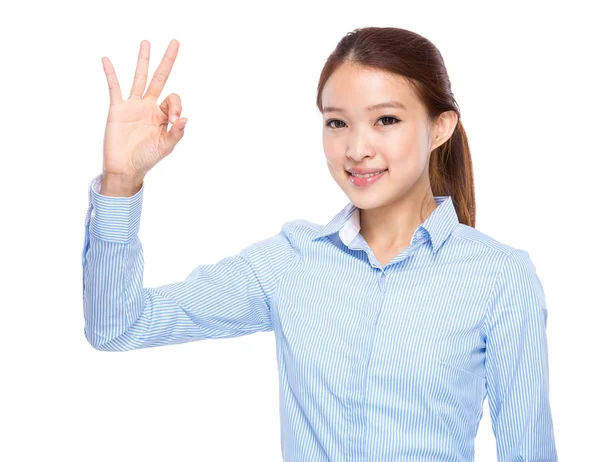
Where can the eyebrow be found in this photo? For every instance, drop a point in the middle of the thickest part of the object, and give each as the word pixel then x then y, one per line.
pixel 396 104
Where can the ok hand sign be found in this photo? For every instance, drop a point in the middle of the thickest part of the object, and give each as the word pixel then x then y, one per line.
pixel 136 136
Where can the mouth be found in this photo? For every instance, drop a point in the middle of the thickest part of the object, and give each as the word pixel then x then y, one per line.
pixel 365 180
pixel 356 175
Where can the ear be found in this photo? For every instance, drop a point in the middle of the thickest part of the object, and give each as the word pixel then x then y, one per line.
pixel 443 128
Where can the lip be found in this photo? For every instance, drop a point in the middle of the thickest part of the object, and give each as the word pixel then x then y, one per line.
pixel 365 171
pixel 362 182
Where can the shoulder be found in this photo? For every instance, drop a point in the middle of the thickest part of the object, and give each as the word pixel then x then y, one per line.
pixel 300 232
pixel 483 241
pixel 304 226
pixel 504 262
pixel 289 242
pixel 515 284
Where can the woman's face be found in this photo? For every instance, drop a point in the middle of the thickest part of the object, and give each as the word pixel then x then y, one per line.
pixel 393 138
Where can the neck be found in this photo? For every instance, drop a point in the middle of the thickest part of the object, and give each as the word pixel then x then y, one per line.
pixel 393 225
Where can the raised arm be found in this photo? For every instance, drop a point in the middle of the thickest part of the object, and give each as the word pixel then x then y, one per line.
pixel 229 298
pixel 517 364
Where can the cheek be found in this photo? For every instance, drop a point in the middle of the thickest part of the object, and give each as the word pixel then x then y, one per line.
pixel 408 146
pixel 331 162
pixel 334 156
pixel 422 139
pixel 334 167
pixel 331 148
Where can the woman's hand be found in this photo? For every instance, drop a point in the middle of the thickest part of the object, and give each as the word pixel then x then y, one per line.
pixel 136 136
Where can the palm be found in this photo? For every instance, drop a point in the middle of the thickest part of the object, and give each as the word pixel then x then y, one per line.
pixel 136 127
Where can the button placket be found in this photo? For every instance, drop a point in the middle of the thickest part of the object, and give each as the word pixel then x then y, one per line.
pixel 381 281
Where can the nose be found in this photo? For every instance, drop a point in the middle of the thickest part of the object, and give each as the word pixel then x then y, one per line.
pixel 359 147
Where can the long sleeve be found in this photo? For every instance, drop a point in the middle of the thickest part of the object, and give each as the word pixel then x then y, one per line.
pixel 516 364
pixel 229 298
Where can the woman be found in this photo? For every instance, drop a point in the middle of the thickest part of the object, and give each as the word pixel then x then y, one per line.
pixel 395 320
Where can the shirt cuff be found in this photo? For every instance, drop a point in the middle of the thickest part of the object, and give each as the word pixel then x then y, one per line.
pixel 115 219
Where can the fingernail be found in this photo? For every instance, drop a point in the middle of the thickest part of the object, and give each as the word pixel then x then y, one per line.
pixel 173 118
pixel 183 124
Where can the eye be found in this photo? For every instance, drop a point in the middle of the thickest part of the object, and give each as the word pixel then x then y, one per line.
pixel 327 124
pixel 390 118
pixel 394 119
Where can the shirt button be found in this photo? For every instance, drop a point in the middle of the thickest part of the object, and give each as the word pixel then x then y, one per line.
pixel 381 281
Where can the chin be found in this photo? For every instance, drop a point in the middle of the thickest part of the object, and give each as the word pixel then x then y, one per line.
pixel 363 201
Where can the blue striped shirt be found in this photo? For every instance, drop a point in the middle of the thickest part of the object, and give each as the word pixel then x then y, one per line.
pixel 375 363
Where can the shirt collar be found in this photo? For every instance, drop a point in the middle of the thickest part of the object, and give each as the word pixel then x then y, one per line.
pixel 438 225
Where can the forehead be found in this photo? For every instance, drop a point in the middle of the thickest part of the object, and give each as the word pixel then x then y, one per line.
pixel 353 88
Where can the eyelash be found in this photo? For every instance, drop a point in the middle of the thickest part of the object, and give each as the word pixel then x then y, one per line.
pixel 383 117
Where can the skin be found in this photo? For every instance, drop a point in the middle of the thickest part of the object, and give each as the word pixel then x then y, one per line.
pixel 136 136
pixel 392 208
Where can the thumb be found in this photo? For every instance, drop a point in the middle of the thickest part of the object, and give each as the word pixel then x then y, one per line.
pixel 175 134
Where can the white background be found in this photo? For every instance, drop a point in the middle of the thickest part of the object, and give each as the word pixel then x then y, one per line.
pixel 525 77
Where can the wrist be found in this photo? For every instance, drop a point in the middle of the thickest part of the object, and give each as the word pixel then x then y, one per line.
pixel 120 185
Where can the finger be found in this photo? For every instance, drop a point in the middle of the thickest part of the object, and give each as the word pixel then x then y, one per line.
pixel 114 89
pixel 141 71
pixel 175 134
pixel 162 72
pixel 171 107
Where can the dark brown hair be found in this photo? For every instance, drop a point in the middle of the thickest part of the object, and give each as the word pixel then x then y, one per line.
pixel 412 56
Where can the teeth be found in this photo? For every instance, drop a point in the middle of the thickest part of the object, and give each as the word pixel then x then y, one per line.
pixel 366 176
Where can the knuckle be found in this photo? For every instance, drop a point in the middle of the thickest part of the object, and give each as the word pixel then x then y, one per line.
pixel 160 77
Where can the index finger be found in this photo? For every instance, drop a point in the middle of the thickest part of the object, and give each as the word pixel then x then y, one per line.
pixel 162 72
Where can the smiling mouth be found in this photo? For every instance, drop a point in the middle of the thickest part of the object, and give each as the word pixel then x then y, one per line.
pixel 356 175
